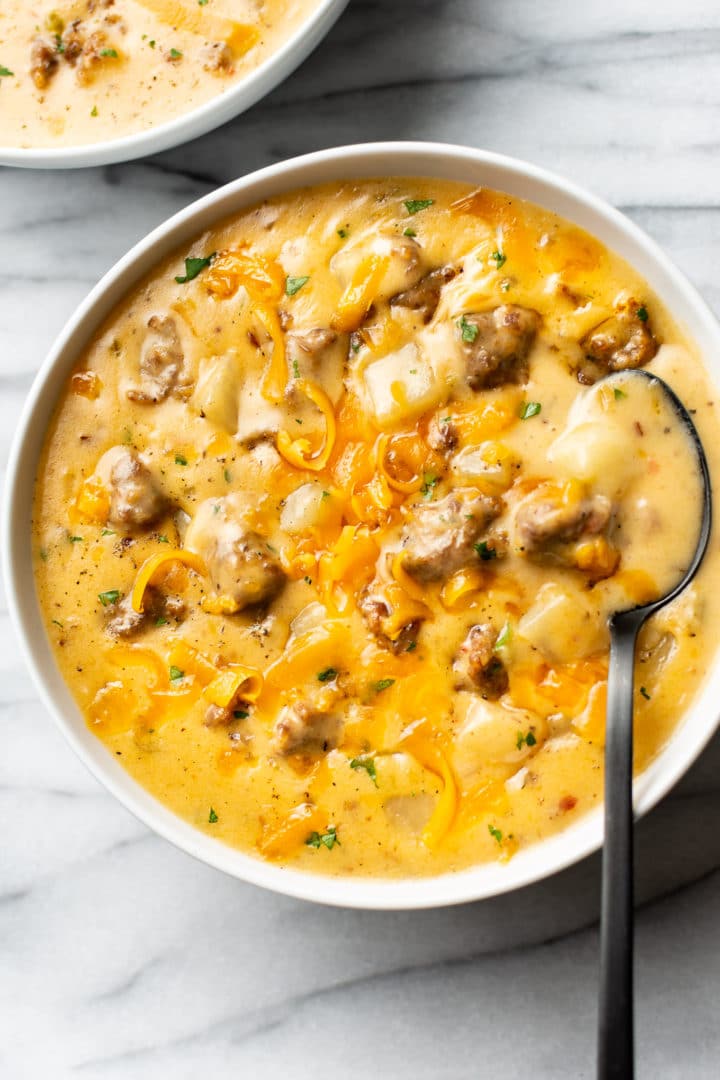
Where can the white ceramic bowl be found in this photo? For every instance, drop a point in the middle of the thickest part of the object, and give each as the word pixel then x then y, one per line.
pixel 196 122
pixel 372 160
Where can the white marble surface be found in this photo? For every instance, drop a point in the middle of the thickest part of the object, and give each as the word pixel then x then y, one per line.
pixel 122 958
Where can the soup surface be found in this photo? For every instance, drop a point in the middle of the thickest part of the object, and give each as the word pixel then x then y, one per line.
pixel 334 509
pixel 84 72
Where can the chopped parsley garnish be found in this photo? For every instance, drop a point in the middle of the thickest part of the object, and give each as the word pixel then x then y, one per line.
pixel 5 72
pixel 228 475
pixel 327 674
pixel 468 331
pixel 525 740
pixel 76 539
pixel 327 839
pixel 175 54
pixel 176 673
pixel 619 393
pixel 108 532
pixel 414 206
pixel 325 495
pixel 296 369
pixel 430 481
pixel 161 621
pixel 505 636
pixel 93 111
pixel 495 833
pixel 644 693
pixel 294 284
pixel 58 623
pixel 112 53
pixel 212 817
pixel 151 43
pixel 344 233
pixel 240 714
pixel 485 552
pixel 642 314
pixel 163 539
pixel 505 285
pixel 110 597
pixel 180 459
pixel 412 646
pixel 193 266
pixel 530 408
pixel 202 3
pixel 368 765
pixel 382 684
pixel 409 232
pixel 499 258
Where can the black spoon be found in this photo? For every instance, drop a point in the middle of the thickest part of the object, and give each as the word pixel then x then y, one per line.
pixel 616 1025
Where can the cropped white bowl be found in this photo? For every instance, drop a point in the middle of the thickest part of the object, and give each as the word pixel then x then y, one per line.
pixel 372 160
pixel 195 122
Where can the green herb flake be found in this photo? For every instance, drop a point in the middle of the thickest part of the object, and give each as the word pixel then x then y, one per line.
pixel 202 3
pixel 412 646
pixel 327 839
pixel 108 532
pixel 409 232
pixel 228 476
pixel 180 459
pixel 505 286
pixel 176 673
pixel 5 73
pixel 468 331
pixel 499 258
pixel 325 495
pixel 161 621
pixel 525 740
pixel 58 623
pixel 240 714
pixel 504 637
pixel 530 408
pixel 485 552
pixel 642 314
pixel 110 597
pixel 495 833
pixel 212 817
pixel 111 53
pixel 175 54
pixel 414 206
pixel 151 43
pixel 193 266
pixel 93 111
pixel 430 482
pixel 296 369
pixel 644 693
pixel 368 764
pixel 619 394
pixel 294 284
pixel 327 674
pixel 76 539
pixel 344 232
pixel 382 684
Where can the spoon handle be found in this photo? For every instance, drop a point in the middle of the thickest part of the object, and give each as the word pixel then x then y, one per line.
pixel 616 1028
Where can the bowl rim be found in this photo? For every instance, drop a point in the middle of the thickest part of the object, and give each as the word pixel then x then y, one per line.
pixel 437 160
pixel 199 121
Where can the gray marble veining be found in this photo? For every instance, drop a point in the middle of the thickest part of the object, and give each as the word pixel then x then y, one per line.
pixel 122 957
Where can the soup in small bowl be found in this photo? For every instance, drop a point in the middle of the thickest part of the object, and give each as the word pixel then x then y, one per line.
pixel 93 81
pixel 332 507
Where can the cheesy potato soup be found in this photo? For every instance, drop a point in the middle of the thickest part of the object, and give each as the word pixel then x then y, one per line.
pixel 335 508
pixel 91 70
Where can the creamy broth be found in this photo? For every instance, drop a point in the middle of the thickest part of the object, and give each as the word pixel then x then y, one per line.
pixel 85 72
pixel 333 512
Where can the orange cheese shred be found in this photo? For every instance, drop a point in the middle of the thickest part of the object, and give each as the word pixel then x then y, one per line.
pixel 234 684
pixel 294 830
pixel 275 376
pixel 360 293
pixel 197 20
pixel 420 742
pixel 152 565
pixel 299 452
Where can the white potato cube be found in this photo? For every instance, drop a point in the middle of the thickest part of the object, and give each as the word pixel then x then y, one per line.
pixel 217 390
pixel 309 507
pixel 401 386
pixel 563 625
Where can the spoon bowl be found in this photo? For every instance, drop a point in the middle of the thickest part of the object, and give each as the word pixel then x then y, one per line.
pixel 616 1028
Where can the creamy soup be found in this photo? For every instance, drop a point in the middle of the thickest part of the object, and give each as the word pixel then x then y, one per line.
pixel 334 510
pixel 84 72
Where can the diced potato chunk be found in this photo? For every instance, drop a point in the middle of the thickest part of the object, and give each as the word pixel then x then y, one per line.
pixel 218 389
pixel 488 738
pixel 490 467
pixel 563 624
pixel 310 507
pixel 401 386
